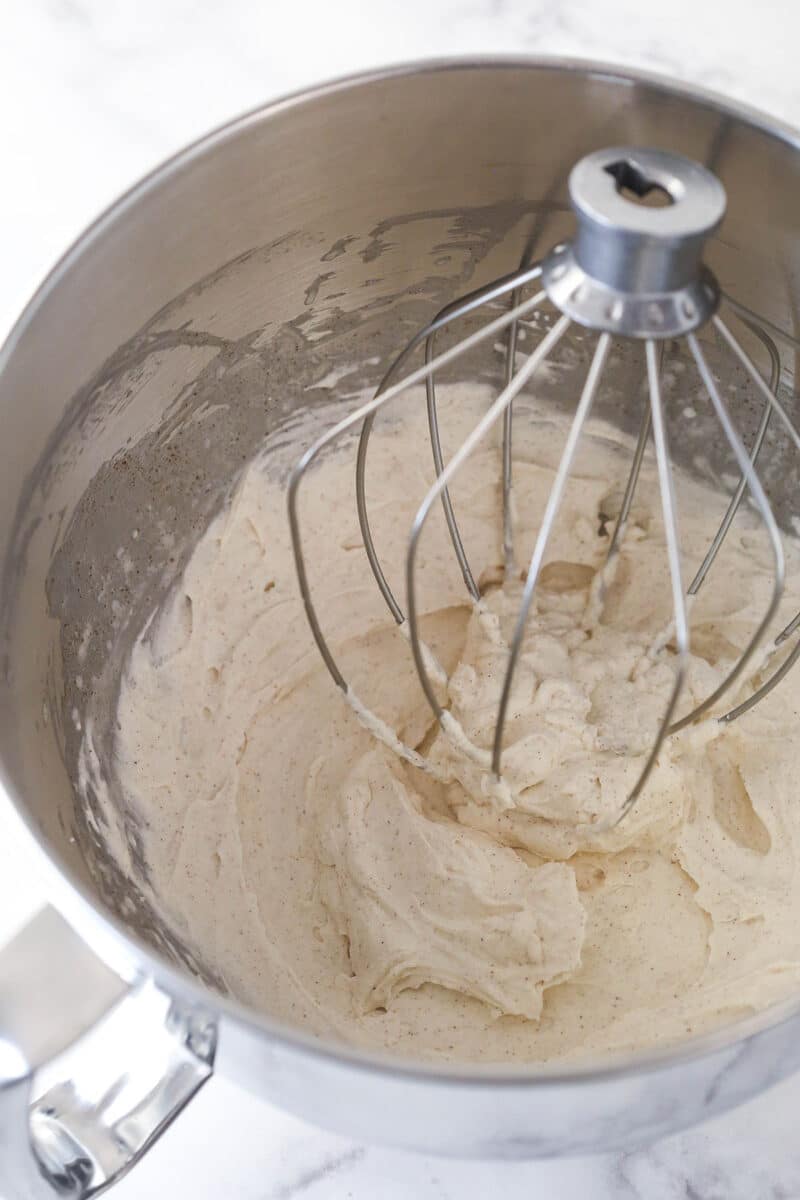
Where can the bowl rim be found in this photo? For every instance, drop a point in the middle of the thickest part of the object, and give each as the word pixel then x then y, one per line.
pixel 104 932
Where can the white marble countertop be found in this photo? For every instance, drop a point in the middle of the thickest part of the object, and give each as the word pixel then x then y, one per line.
pixel 96 92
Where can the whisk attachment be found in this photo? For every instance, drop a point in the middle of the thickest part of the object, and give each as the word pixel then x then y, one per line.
pixel 634 270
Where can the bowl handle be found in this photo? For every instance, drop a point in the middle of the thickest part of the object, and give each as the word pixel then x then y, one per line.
pixel 118 1060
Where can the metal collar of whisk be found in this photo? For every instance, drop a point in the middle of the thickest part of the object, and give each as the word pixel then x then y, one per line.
pixel 635 265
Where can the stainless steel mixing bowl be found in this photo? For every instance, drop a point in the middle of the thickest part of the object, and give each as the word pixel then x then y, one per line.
pixel 191 320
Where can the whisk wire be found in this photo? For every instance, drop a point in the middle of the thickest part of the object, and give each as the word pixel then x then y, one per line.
pixel 741 488
pixel 490 417
pixel 757 322
pixel 766 687
pixel 451 312
pixel 670 517
pixel 508 422
pixel 361 414
pixel 633 477
pixel 775 406
pixel 456 310
pixel 438 463
pixel 754 373
pixel 554 500
pixel 753 483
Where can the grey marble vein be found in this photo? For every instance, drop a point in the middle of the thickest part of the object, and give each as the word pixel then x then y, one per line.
pixel 322 1172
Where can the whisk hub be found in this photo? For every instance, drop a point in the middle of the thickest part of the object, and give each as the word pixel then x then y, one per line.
pixel 634 267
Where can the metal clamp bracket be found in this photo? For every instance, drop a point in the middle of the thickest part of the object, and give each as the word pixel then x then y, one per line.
pixel 92 1068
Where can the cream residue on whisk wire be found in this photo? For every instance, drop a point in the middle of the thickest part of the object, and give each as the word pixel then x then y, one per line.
pixel 416 906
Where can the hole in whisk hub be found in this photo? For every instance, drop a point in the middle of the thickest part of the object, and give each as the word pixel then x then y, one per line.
pixel 636 186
